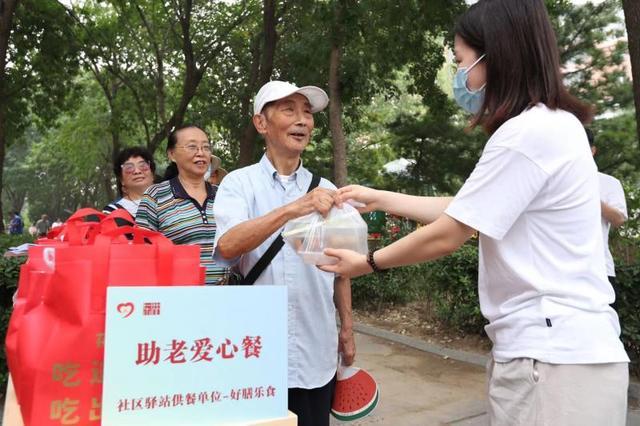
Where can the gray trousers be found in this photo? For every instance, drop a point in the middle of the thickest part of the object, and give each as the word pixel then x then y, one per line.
pixel 525 392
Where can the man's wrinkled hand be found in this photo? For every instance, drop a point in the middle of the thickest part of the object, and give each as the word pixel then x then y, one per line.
pixel 347 346
pixel 319 200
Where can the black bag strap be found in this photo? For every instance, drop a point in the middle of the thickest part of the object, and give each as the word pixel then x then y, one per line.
pixel 273 249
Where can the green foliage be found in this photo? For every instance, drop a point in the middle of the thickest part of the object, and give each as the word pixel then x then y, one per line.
pixel 625 247
pixel 9 272
pixel 397 286
pixel 42 59
pixel 65 163
pixel 616 144
pixel 453 290
pixel 590 39
pixel 627 296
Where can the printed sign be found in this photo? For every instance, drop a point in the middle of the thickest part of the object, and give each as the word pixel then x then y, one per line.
pixel 195 355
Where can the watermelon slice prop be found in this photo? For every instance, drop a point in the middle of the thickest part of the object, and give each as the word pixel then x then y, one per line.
pixel 356 394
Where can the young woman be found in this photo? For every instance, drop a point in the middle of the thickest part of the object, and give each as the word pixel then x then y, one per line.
pixel 181 207
pixel 533 197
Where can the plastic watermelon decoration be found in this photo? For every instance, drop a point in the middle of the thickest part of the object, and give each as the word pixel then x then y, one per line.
pixel 356 394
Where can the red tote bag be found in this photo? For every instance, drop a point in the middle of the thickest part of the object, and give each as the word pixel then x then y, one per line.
pixel 64 384
pixel 81 228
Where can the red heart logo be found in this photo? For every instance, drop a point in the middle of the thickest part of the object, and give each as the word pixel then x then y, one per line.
pixel 126 309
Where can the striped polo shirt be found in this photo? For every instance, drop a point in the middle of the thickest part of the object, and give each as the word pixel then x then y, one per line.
pixel 166 207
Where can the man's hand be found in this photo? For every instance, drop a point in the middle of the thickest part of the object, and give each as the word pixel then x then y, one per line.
pixel 319 200
pixel 347 346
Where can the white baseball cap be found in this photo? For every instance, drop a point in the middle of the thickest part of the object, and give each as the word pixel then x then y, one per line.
pixel 274 90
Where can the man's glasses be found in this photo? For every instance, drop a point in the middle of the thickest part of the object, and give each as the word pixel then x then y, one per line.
pixel 129 168
pixel 193 148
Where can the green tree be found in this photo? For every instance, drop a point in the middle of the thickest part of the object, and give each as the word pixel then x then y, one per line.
pixel 157 51
pixel 37 59
pixel 359 47
pixel 632 20
pixel 592 47
pixel 72 159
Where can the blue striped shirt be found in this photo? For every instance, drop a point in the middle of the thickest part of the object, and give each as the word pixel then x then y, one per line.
pixel 252 192
pixel 167 207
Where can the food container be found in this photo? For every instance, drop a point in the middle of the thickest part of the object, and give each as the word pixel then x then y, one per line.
pixel 310 235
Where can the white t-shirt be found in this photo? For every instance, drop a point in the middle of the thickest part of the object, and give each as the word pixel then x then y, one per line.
pixel 611 192
pixel 533 196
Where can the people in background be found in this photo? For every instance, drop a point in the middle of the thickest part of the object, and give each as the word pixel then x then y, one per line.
pixel 42 226
pixel 16 225
pixel 613 207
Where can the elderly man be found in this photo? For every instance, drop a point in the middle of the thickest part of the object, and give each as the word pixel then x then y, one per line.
pixel 252 206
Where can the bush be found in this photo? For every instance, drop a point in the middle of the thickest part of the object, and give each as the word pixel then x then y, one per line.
pixel 450 284
pixel 453 290
pixel 397 286
pixel 627 296
pixel 9 272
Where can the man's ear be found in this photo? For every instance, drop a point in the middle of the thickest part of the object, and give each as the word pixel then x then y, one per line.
pixel 260 123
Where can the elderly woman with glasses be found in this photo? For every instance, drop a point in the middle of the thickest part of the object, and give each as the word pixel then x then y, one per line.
pixel 133 168
pixel 181 207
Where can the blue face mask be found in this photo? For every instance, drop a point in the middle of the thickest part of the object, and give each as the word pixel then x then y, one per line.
pixel 469 100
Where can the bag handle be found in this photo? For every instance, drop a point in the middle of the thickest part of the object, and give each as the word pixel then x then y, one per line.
pixel 273 249
pixel 81 228
pixel 103 244
pixel 116 219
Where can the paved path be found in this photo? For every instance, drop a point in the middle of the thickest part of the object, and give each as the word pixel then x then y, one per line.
pixel 418 388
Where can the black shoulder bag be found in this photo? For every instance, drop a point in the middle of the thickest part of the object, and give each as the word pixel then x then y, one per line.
pixel 271 252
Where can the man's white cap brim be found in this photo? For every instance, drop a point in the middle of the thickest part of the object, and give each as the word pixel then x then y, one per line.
pixel 275 90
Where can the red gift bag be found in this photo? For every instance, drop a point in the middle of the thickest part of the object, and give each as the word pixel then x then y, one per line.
pixel 35 274
pixel 64 380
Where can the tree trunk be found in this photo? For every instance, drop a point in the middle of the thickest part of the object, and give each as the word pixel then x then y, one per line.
pixel 248 141
pixel 7 11
pixel 335 103
pixel 249 134
pixel 632 20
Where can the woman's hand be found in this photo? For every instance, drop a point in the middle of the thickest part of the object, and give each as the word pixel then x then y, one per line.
pixel 361 195
pixel 350 264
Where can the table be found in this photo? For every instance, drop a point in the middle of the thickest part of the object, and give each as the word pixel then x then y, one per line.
pixel 12 416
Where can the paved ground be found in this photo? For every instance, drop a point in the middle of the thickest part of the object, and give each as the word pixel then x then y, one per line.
pixel 418 388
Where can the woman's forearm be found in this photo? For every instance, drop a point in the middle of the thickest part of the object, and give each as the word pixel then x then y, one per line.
pixel 421 209
pixel 439 239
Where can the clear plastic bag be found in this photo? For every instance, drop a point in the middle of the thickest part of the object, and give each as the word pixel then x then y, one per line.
pixel 343 228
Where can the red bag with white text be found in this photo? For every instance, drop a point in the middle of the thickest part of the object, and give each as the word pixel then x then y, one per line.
pixel 60 342
pixel 35 275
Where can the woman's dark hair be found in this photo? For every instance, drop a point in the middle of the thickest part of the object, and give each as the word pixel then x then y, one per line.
pixel 124 155
pixel 172 140
pixel 522 60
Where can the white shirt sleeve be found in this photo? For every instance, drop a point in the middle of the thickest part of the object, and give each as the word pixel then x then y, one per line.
pixel 615 197
pixel 230 208
pixel 500 188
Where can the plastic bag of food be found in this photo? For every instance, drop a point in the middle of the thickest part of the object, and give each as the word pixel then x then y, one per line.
pixel 343 228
